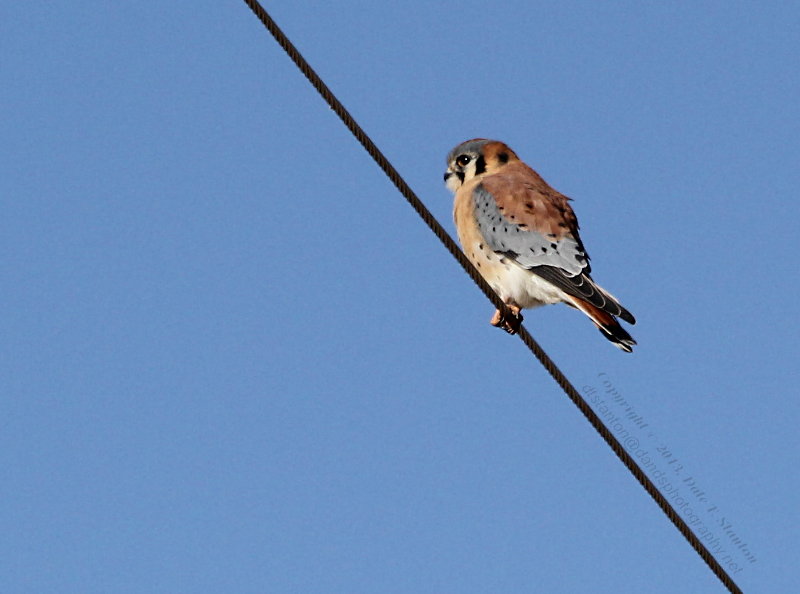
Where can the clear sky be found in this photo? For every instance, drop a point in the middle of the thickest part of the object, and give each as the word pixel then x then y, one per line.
pixel 234 360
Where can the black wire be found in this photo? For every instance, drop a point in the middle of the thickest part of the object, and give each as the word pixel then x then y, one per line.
pixel 454 250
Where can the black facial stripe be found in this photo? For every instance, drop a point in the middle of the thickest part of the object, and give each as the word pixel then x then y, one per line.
pixel 460 175
pixel 480 165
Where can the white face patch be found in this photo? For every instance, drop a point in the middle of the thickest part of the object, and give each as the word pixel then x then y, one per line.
pixel 453 182
pixel 458 175
pixel 469 170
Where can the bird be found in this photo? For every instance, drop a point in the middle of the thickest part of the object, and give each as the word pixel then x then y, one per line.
pixel 522 236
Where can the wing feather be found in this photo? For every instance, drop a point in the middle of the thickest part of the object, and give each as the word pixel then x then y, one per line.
pixel 526 220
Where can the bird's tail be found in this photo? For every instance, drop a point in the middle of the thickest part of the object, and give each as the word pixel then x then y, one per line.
pixel 607 324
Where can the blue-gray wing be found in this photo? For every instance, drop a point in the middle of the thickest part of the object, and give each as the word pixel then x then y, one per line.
pixel 536 228
pixel 529 235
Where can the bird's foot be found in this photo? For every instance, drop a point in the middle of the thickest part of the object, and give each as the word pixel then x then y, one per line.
pixel 510 325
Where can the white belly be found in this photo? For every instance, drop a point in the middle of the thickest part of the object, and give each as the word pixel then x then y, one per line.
pixel 512 282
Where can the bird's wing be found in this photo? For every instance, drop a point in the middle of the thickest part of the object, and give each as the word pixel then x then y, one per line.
pixel 526 220
pixel 529 221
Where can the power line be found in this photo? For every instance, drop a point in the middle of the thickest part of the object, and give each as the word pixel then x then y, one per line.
pixel 473 273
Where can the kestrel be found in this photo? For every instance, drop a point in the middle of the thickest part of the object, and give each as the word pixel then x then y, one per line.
pixel 522 236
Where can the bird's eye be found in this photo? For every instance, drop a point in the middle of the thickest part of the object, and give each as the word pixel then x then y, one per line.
pixel 462 160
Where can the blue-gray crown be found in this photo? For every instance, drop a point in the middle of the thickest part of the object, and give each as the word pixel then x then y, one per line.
pixel 473 146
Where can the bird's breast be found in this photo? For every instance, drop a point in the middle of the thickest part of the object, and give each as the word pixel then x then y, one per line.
pixel 508 279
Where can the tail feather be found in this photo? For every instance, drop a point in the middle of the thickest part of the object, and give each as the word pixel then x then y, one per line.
pixel 607 324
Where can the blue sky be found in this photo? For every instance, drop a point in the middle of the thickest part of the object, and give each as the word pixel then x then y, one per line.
pixel 234 360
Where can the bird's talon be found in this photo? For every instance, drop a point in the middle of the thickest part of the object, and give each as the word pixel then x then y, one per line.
pixel 509 324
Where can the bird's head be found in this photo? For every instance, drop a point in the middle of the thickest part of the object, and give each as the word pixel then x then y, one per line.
pixel 474 158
